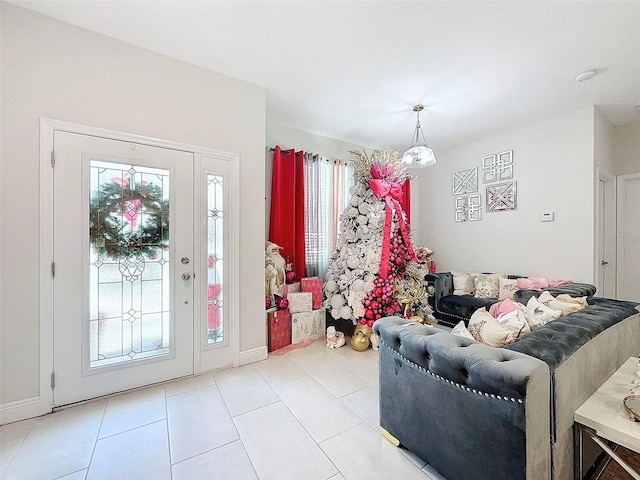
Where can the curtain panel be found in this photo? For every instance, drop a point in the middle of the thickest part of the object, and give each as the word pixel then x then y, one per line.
pixel 286 226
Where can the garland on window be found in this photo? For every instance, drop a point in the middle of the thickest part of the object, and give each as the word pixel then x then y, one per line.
pixel 113 219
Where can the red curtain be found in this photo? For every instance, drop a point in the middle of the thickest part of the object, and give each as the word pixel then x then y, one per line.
pixel 286 225
pixel 406 199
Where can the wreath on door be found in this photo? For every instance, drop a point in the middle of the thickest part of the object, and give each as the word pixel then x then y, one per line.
pixel 128 218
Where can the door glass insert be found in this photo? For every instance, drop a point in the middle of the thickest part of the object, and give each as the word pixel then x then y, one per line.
pixel 129 278
pixel 215 259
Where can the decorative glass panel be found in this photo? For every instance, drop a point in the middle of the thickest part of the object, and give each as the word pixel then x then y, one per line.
pixel 215 259
pixel 129 301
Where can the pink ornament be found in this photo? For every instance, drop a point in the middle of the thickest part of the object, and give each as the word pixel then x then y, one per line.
pixel 283 303
pixel 370 323
pixel 368 313
pixel 362 321
pixel 291 276
pixel 267 302
pixel 375 304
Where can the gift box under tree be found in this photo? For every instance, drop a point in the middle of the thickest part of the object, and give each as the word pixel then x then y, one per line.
pixel 308 325
pixel 313 285
pixel 279 328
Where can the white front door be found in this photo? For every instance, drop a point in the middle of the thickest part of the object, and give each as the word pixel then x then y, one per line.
pixel 123 294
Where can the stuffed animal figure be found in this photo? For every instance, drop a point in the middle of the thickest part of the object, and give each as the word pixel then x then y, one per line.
pixel 335 339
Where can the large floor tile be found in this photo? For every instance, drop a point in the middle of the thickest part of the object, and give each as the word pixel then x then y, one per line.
pixel 356 361
pixel 279 448
pixel 58 444
pixel 228 462
pixel 366 404
pixel 189 383
pixel 319 412
pixel 362 453
pixel 335 377
pixel 17 430
pixel 138 454
pixel 79 475
pixel 198 422
pixel 8 450
pixel 279 369
pixel 244 389
pixel 134 409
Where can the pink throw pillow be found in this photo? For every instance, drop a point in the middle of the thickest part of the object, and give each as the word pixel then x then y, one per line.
pixel 539 282
pixel 524 283
pixel 500 308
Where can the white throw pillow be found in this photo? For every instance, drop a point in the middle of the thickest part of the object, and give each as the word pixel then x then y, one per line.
pixel 515 320
pixel 488 330
pixel 541 311
pixel 463 283
pixel 508 287
pixel 460 330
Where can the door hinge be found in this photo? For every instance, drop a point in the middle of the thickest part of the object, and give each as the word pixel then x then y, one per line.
pixel 53 269
pixel 53 380
pixel 53 159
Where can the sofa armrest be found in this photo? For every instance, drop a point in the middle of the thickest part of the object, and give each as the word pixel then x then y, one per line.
pixel 471 411
pixel 442 285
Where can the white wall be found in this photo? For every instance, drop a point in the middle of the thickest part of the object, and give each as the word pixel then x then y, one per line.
pixel 51 69
pixel 626 148
pixel 554 167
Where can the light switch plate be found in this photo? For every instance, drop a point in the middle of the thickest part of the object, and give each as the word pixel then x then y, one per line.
pixel 546 217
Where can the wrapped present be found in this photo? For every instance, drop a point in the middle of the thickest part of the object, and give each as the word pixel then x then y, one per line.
pixel 279 328
pixel 307 326
pixel 287 288
pixel 313 285
pixel 300 302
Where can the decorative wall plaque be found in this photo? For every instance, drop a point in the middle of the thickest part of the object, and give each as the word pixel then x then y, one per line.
pixel 465 181
pixel 497 167
pixel 468 208
pixel 502 196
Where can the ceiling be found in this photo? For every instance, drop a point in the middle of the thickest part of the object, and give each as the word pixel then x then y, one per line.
pixel 353 70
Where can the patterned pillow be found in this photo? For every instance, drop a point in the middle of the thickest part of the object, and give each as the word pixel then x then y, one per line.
pixel 540 310
pixel 460 330
pixel 463 283
pixel 515 320
pixel 487 285
pixel 508 287
pixel 488 330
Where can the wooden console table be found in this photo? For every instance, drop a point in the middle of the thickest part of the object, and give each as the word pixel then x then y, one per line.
pixel 604 418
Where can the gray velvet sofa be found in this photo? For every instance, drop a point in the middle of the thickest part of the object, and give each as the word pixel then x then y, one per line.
pixel 477 412
pixel 449 309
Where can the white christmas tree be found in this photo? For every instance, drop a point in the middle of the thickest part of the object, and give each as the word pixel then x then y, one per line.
pixel 373 271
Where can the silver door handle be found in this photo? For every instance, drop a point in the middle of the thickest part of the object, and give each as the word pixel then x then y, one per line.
pixel 186 276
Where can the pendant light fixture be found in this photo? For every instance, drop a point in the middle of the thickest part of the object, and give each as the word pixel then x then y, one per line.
pixel 419 155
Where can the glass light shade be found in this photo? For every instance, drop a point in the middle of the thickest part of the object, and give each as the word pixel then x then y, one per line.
pixel 419 156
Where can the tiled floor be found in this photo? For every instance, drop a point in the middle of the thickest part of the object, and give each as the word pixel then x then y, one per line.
pixel 309 414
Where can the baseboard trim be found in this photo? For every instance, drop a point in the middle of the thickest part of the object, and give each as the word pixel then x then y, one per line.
pixel 253 355
pixel 20 410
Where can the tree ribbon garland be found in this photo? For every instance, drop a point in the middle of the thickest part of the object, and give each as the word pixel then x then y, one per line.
pixel 391 192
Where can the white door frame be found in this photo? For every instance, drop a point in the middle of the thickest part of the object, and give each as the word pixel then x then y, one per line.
pixel 47 129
